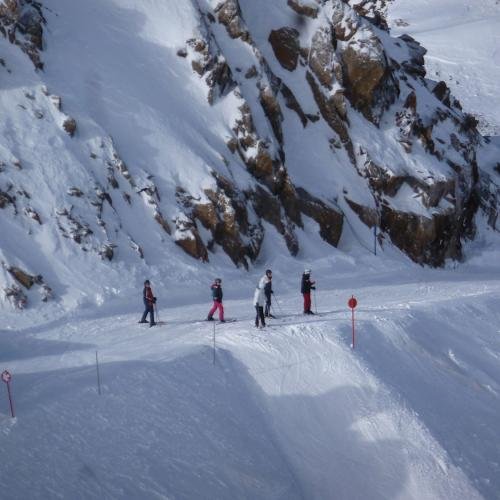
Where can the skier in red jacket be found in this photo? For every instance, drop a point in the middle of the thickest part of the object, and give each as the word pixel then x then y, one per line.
pixel 149 302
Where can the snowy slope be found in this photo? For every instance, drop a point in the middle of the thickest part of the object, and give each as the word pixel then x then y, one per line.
pixel 287 412
pixel 462 38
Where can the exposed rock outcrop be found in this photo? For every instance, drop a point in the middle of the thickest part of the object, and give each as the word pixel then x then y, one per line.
pixel 307 8
pixel 21 22
pixel 286 47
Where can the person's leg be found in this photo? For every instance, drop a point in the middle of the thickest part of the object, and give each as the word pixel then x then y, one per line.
pixel 267 310
pixel 307 302
pixel 256 315
pixel 261 313
pixel 221 311
pixel 144 314
pixel 211 312
pixel 151 316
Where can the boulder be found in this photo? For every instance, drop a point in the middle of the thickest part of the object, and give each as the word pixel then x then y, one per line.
pixel 229 14
pixel 321 56
pixel 69 125
pixel 27 280
pixel 364 68
pixel 304 8
pixel 286 47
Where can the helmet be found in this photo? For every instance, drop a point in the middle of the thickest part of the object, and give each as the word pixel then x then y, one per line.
pixel 268 271
pixel 307 271
pixel 146 282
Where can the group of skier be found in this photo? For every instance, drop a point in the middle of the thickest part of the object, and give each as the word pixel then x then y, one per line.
pixel 261 299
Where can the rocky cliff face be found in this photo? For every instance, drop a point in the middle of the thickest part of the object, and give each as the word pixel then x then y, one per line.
pixel 330 118
pixel 343 53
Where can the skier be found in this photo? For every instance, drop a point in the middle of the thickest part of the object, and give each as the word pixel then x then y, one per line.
pixel 149 302
pixel 259 299
pixel 217 297
pixel 267 284
pixel 306 287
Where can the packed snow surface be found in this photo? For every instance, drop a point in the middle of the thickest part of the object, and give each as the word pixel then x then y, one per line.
pixel 289 411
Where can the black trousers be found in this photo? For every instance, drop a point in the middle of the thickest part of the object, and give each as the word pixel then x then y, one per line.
pixel 149 309
pixel 260 314
pixel 267 310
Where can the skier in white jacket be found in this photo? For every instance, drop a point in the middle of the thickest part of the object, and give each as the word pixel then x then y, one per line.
pixel 259 299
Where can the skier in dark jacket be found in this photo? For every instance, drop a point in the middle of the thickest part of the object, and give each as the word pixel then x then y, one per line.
pixel 306 287
pixel 149 302
pixel 268 291
pixel 217 298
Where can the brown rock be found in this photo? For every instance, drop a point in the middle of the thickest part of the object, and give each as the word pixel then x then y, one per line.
pixel 286 47
pixel 163 223
pixel 333 112
pixel 69 126
pixel 425 240
pixel 304 8
pixel 229 14
pixel 194 247
pixel 364 68
pixel 22 277
pixel 292 103
pixel 272 110
pixel 10 9
pixel 330 221
pixel 321 56
pixel 268 207
pixel 6 199
pixel 442 92
pixel 344 23
pixel 261 166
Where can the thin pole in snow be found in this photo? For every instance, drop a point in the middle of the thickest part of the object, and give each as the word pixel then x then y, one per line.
pixel 98 374
pixel 278 302
pixel 352 303
pixel 7 377
pixel 375 239
pixel 353 336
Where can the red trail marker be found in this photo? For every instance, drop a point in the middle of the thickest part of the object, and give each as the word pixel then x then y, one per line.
pixel 352 303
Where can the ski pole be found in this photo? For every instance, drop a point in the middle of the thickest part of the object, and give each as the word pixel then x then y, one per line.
pixel 278 302
pixel 273 309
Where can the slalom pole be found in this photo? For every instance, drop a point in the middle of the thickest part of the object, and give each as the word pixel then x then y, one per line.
pixel 7 377
pixel 98 374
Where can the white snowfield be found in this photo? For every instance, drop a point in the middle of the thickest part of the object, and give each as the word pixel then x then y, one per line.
pixel 290 411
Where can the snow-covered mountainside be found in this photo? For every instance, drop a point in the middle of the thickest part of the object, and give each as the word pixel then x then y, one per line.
pixel 134 130
pixel 462 38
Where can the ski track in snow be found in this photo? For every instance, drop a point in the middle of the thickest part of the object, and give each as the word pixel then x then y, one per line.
pixel 290 411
